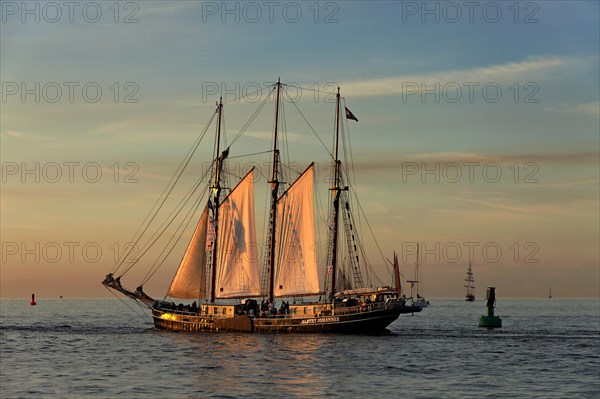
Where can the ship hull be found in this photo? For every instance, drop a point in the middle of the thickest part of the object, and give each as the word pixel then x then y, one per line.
pixel 357 323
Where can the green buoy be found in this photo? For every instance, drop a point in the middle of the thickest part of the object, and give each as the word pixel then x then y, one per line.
pixel 490 321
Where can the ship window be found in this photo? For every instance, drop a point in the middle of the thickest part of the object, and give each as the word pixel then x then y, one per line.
pixel 315 310
pixel 305 309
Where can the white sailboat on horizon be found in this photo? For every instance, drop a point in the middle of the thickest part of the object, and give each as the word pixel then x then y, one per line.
pixel 417 300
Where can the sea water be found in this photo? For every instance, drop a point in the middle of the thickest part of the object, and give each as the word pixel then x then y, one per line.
pixel 84 348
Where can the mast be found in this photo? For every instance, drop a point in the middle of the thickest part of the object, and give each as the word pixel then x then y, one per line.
pixel 217 193
pixel 417 272
pixel 336 197
pixel 414 284
pixel 397 276
pixel 274 190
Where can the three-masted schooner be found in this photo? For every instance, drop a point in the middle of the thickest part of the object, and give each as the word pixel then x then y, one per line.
pixel 470 296
pixel 220 267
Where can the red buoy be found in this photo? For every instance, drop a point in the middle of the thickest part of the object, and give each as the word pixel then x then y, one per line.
pixel 33 302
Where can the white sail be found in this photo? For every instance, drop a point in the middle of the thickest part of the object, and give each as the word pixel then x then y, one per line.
pixel 237 259
pixel 296 266
pixel 190 280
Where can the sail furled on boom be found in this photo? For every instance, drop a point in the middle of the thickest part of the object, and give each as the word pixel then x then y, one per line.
pixel 296 262
pixel 237 263
pixel 190 280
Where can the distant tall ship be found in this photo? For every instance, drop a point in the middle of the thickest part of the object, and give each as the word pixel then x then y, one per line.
pixel 220 267
pixel 469 285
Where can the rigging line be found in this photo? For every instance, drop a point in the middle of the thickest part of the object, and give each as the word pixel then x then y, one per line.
pixel 350 173
pixel 260 90
pixel 174 214
pixel 188 217
pixel 223 127
pixel 215 155
pixel 172 182
pixel 322 216
pixel 286 142
pixel 370 272
pixel 142 316
pixel 150 244
pixel 249 155
pixel 180 206
pixel 347 127
pixel 370 229
pixel 331 93
pixel 252 117
pixel 283 85
pixel 143 307
pixel 229 174
pixel 309 125
pixel 265 237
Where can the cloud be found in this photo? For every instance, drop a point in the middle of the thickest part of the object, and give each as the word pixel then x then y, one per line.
pixel 20 135
pixel 535 209
pixel 396 161
pixel 592 108
pixel 572 183
pixel 502 73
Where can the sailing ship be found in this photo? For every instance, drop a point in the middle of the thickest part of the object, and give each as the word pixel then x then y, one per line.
pixel 470 296
pixel 220 267
pixel 417 300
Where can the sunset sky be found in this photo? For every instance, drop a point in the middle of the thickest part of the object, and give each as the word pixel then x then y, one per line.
pixel 478 128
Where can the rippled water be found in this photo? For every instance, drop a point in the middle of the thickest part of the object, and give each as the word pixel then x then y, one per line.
pixel 547 348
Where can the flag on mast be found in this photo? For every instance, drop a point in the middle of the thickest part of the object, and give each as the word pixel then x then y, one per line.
pixel 350 115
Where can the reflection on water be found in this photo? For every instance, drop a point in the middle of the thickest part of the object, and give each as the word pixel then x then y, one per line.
pixel 255 364
pixel 98 349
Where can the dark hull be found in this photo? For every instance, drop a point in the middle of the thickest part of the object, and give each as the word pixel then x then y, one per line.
pixel 371 322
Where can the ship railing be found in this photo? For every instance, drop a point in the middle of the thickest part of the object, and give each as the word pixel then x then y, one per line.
pixel 177 311
pixel 367 307
pixel 278 316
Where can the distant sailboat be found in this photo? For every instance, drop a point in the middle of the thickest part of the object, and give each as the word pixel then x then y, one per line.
pixel 469 286
pixel 550 292
pixel 33 302
pixel 417 300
